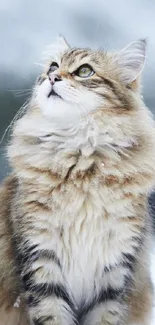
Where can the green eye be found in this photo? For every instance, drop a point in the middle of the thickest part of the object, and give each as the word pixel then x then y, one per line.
pixel 84 71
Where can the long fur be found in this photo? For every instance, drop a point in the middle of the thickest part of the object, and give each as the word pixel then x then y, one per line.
pixel 75 233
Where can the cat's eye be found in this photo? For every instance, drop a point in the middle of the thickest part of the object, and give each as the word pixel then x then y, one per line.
pixel 54 66
pixel 84 71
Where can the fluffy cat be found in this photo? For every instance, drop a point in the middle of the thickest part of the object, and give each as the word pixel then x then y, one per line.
pixel 75 233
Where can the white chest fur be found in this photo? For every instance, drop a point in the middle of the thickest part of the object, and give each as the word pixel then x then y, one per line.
pixel 86 247
pixel 87 241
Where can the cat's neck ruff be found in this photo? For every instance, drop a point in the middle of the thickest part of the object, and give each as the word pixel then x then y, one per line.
pixel 85 136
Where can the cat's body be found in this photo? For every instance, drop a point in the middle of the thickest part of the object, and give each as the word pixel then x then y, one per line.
pixel 78 216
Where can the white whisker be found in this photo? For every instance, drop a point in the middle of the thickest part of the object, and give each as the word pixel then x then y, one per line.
pixel 39 64
pixel 19 114
pixel 22 92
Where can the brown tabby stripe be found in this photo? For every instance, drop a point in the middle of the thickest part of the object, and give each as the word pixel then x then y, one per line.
pixel 91 83
pixel 44 290
pixel 42 320
pixel 29 253
pixel 107 97
pixel 85 54
pixel 69 53
pixel 98 83
pixel 109 83
pixel 79 51
pixel 112 101
pixel 32 300
pixel 129 261
pixel 73 53
pixel 109 294
pixel 47 254
pixel 122 99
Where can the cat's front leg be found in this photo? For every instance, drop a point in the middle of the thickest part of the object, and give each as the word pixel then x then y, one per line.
pixel 107 313
pixel 48 300
pixel 108 305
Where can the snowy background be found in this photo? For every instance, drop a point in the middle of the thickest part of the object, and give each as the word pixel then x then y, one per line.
pixel 28 26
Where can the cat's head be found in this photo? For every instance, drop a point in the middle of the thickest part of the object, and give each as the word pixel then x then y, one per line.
pixel 78 82
pixel 86 102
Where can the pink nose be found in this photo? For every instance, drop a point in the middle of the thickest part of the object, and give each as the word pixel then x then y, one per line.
pixel 53 78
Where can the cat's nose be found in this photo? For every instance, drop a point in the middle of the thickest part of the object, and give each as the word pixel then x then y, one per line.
pixel 54 78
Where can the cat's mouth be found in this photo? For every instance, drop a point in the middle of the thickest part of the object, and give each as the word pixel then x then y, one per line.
pixel 53 94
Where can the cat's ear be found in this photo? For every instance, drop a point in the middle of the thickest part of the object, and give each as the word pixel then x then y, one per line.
pixel 131 60
pixel 61 44
pixel 58 47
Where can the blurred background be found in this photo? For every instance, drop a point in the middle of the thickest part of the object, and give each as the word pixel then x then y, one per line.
pixel 28 26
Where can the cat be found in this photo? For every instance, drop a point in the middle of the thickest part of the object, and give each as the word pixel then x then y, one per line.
pixel 75 231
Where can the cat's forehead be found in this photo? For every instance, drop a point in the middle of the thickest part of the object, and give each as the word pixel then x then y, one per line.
pixel 73 54
pixel 74 57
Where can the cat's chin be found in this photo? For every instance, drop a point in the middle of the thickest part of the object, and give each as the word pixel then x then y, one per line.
pixel 59 112
pixel 63 105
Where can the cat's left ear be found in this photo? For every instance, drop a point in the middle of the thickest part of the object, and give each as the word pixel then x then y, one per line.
pixel 61 43
pixel 58 47
pixel 131 61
